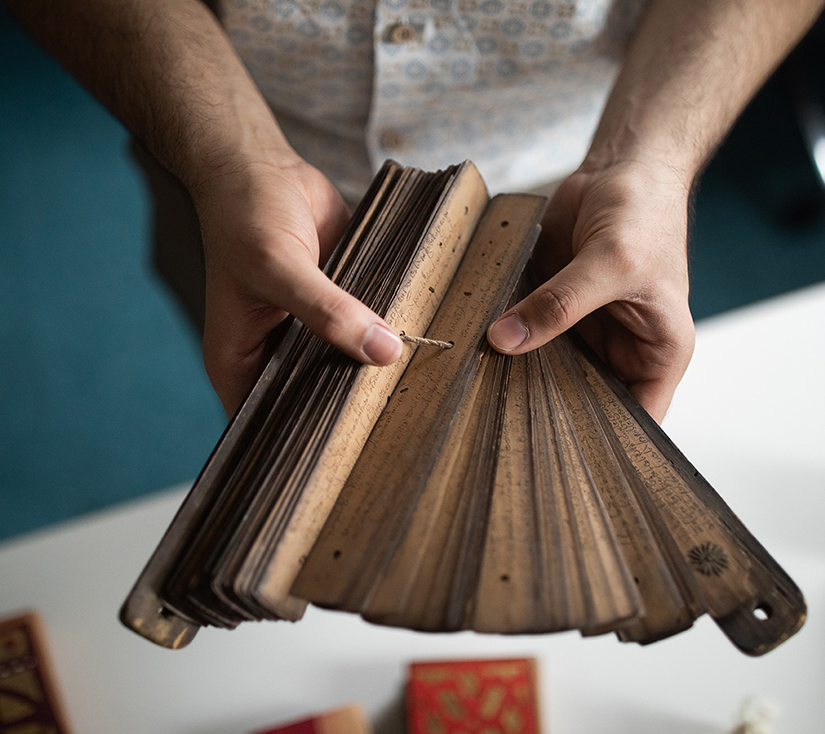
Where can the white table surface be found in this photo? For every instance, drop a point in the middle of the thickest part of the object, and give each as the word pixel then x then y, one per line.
pixel 749 414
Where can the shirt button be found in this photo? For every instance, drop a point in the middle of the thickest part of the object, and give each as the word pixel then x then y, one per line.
pixel 401 33
pixel 391 140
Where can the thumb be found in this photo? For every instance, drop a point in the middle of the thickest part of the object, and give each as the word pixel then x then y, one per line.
pixel 338 317
pixel 574 292
pixel 235 335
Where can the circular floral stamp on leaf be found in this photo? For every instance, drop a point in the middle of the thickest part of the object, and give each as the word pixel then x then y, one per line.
pixel 708 559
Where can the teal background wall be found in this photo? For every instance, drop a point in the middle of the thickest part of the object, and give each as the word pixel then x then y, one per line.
pixel 103 396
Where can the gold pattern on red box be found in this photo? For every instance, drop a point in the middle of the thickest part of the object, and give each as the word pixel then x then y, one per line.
pixel 473 697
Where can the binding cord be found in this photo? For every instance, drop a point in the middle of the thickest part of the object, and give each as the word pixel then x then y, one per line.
pixel 425 341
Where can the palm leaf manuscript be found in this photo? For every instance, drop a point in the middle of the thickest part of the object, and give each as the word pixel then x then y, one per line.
pixel 458 488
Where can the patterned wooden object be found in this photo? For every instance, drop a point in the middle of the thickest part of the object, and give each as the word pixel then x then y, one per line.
pixel 28 698
pixel 473 697
pixel 348 720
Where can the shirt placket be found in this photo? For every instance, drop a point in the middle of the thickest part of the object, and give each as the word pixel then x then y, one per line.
pixel 415 40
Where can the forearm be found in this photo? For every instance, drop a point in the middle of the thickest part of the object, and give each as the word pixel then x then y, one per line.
pixel 614 236
pixel 167 71
pixel 691 68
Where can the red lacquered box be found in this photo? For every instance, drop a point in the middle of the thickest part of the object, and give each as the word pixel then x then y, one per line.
pixel 473 696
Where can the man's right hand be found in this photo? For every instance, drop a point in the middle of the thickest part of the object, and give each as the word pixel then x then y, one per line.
pixel 266 227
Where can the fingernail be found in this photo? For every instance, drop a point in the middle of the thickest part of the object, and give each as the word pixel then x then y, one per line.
pixel 508 333
pixel 381 346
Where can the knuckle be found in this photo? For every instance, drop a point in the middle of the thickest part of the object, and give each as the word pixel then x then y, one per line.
pixel 625 259
pixel 555 308
pixel 677 344
pixel 688 343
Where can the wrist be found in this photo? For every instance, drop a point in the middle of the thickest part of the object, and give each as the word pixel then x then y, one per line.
pixel 236 157
pixel 645 166
pixel 647 147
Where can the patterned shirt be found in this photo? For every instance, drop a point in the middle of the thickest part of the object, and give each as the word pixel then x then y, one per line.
pixel 517 86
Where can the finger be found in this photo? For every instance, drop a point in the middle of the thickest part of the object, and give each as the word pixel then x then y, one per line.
pixel 235 353
pixel 235 342
pixel 337 317
pixel 577 290
pixel 654 396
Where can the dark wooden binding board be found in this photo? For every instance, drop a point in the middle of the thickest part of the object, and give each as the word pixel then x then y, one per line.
pixel 458 488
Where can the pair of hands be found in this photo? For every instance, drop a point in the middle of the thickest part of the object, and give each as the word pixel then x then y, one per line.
pixel 613 254
pixel 614 235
